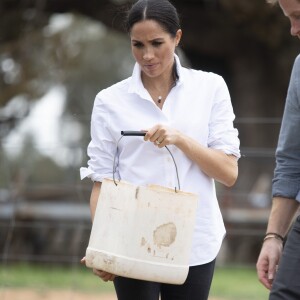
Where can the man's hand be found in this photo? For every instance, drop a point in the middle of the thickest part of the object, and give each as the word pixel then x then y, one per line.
pixel 268 260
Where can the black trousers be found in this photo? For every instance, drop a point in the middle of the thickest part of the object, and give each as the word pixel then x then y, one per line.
pixel 286 285
pixel 196 286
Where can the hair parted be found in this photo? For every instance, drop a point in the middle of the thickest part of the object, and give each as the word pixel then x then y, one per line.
pixel 161 11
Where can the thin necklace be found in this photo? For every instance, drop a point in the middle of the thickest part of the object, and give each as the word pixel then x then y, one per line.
pixel 159 99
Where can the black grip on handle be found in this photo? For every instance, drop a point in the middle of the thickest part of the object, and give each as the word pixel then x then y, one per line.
pixel 132 133
pixel 139 133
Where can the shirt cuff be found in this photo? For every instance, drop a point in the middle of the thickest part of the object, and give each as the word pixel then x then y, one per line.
pixel 229 151
pixel 298 196
pixel 87 172
pixel 286 188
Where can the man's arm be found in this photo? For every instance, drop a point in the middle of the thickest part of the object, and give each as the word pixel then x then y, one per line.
pixel 281 216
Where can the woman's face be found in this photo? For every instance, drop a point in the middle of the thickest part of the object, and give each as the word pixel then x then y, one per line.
pixel 153 48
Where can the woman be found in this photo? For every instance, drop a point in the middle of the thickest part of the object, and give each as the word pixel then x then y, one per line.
pixel 187 110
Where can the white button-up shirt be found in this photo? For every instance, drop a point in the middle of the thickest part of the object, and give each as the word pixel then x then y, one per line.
pixel 200 107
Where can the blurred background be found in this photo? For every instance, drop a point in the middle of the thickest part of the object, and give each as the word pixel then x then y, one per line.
pixel 55 55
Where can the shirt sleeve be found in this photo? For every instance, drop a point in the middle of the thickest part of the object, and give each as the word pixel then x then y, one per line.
pixel 286 181
pixel 222 134
pixel 102 147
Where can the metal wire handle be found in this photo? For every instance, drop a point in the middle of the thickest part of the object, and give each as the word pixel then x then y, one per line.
pixel 138 133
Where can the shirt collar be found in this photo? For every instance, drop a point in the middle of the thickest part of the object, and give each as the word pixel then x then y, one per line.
pixel 136 84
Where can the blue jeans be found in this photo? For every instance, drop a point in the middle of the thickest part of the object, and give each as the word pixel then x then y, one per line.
pixel 196 286
pixel 286 285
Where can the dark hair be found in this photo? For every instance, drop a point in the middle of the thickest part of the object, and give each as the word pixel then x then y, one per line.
pixel 161 11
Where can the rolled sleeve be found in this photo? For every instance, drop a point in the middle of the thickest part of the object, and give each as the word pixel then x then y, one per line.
pixel 101 150
pixel 222 134
pixel 298 196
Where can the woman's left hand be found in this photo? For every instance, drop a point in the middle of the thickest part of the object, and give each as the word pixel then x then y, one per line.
pixel 213 162
pixel 162 135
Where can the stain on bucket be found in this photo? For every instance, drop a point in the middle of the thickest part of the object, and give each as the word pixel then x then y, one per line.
pixel 165 235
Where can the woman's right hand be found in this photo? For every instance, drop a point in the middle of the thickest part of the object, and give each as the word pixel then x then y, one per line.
pixel 105 276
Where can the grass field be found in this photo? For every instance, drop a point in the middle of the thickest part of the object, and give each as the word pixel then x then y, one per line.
pixel 230 283
pixel 237 283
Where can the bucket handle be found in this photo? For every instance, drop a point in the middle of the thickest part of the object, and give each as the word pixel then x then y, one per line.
pixel 139 133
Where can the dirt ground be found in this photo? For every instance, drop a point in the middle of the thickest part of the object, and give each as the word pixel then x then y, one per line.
pixel 28 294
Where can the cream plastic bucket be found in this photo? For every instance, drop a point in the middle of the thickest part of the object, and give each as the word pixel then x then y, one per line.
pixel 142 232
